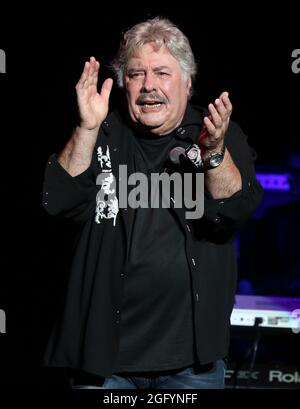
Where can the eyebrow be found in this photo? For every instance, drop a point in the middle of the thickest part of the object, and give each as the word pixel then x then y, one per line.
pixel 162 67
pixel 141 69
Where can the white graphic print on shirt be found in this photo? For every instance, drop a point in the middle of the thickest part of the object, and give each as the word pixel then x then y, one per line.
pixel 107 206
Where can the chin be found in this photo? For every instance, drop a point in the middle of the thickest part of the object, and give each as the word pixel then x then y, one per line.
pixel 152 124
pixel 152 120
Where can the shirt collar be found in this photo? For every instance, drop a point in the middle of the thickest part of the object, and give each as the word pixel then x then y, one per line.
pixel 193 116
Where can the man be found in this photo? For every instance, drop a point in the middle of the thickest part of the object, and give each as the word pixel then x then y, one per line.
pixel 151 291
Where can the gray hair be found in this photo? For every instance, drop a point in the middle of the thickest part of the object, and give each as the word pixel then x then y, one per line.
pixel 159 31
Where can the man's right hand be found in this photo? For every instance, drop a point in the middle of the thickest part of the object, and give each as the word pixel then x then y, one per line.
pixel 93 106
pixel 76 156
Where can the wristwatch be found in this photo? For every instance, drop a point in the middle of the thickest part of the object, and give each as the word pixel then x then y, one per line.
pixel 214 159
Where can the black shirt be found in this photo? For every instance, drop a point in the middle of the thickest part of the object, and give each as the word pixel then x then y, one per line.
pixel 157 321
pixel 86 335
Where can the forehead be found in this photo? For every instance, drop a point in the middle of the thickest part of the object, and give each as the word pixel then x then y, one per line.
pixel 147 56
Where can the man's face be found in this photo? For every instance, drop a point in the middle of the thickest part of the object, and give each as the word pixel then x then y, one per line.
pixel 156 91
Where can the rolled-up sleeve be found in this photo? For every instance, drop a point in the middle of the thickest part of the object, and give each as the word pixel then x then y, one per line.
pixel 234 211
pixel 67 196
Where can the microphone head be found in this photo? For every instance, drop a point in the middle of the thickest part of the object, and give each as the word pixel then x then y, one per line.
pixel 175 153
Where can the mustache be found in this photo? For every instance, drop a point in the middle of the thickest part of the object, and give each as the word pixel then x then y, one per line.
pixel 150 98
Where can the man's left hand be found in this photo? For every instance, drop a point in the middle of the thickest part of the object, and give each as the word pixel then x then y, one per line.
pixel 216 124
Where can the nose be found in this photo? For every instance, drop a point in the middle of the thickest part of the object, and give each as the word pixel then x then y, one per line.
pixel 149 82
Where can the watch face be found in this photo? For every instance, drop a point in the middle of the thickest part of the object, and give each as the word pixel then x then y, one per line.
pixel 215 160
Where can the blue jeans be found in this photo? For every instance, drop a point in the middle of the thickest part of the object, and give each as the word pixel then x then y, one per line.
pixel 188 378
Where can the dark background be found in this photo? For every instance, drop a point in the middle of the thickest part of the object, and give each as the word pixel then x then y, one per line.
pixel 246 51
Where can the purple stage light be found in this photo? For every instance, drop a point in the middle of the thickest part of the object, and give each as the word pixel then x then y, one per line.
pixel 274 181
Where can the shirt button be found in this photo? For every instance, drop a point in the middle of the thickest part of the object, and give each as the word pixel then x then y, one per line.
pixel 188 228
pixel 197 297
pixel 193 261
pixel 117 321
pixel 249 184
pixel 122 274
pixel 45 203
pixel 180 131
pixel 118 312
pixel 217 219
pixel 49 163
pixel 222 202
pixel 46 193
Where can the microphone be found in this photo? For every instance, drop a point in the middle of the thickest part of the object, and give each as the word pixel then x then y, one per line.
pixel 175 153
pixel 192 153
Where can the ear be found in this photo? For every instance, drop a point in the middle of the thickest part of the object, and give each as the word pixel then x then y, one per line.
pixel 189 85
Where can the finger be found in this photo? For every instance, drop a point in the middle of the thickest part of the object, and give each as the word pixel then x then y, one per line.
pixel 106 88
pixel 220 107
pixel 216 119
pixel 226 101
pixel 209 126
pixel 84 75
pixel 92 70
pixel 96 73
